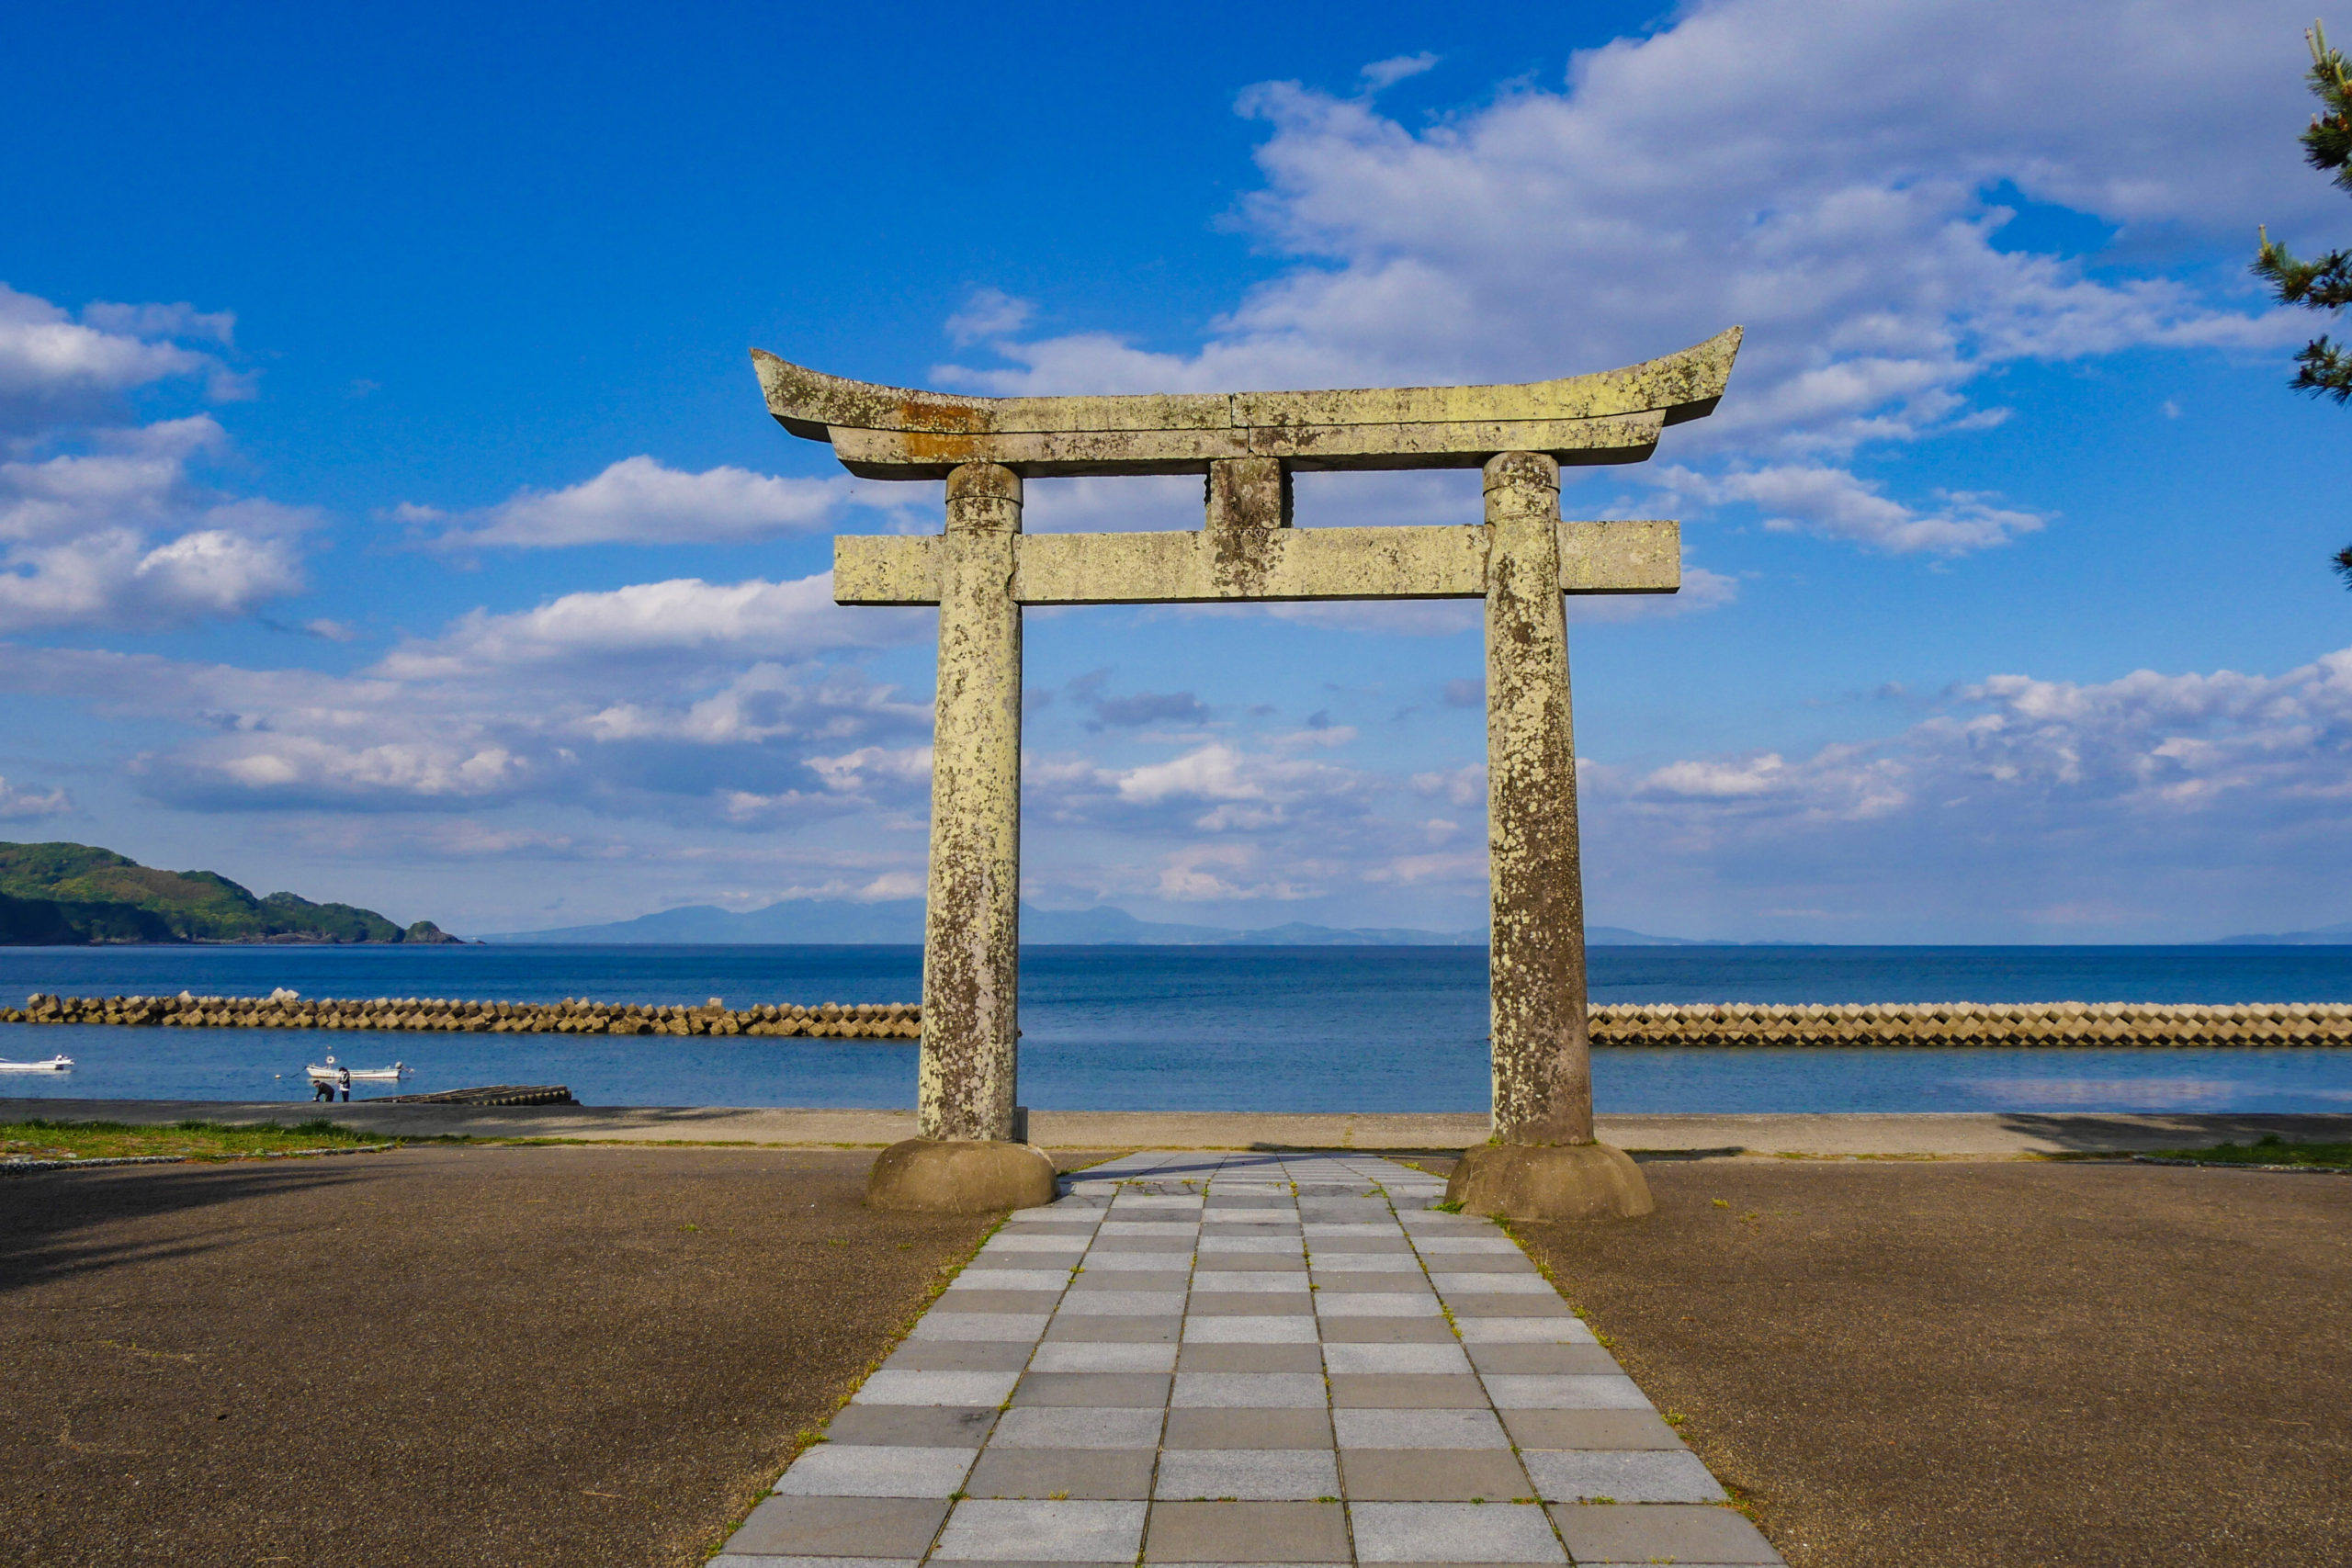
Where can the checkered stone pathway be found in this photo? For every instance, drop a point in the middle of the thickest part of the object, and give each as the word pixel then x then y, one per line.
pixel 1218 1358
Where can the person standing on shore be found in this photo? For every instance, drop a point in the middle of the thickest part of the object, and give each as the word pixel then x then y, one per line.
pixel 342 1081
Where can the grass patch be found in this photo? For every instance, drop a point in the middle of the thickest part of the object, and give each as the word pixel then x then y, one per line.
pixel 2272 1150
pixel 40 1139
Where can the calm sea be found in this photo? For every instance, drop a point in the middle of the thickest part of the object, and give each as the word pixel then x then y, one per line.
pixel 1192 1028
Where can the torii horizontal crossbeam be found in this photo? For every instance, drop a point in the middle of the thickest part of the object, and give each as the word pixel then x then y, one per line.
pixel 1445 562
pixel 898 433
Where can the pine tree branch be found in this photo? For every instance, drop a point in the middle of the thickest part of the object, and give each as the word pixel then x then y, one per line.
pixel 2325 370
pixel 2343 565
pixel 2328 143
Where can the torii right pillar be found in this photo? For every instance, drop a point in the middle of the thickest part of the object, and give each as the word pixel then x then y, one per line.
pixel 1542 1163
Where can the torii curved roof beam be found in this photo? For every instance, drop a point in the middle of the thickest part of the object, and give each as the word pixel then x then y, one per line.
pixel 893 433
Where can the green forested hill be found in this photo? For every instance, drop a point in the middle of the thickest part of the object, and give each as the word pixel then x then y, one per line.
pixel 59 894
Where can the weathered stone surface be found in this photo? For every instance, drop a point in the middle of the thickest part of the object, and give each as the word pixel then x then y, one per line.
pixel 1256 562
pixel 1543 1060
pixel 972 921
pixel 898 433
pixel 1550 1181
pixel 960 1176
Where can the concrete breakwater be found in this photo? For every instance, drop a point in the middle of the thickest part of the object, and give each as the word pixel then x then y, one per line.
pixel 283 1009
pixel 2112 1025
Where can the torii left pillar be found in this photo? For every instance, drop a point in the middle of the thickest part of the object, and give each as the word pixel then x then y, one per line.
pixel 963 1157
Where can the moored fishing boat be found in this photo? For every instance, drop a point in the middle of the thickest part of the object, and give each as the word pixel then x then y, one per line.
pixel 332 1072
pixel 57 1064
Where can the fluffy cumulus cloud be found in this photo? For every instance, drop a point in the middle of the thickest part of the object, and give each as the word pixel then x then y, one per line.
pixel 642 501
pixel 55 367
pixel 1841 182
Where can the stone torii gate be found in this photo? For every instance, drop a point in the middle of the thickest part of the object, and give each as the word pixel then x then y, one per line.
pixel 1520 560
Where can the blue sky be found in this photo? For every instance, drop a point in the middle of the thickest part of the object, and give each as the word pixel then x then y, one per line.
pixel 390 512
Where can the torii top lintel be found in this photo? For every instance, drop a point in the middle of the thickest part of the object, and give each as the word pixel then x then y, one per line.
pixel 893 433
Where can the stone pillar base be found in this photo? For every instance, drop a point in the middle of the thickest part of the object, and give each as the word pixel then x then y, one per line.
pixel 1550 1181
pixel 960 1176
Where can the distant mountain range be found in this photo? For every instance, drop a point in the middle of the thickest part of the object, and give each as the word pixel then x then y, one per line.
pixel 2325 936
pixel 64 895
pixel 839 922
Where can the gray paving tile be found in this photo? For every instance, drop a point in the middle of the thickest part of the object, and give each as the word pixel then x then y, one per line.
pixel 1294 1328
pixel 1122 1303
pixel 971 1301
pixel 1063 1474
pixel 1406 1390
pixel 1659 1532
pixel 1588 1429
pixel 1163 1228
pixel 936 1388
pixel 1507 1303
pixel 1587 1360
pixel 763 1560
pixel 913 1425
pixel 1062 1357
pixel 1452 1532
pixel 986 1530
pixel 840 1527
pixel 1244 1281
pixel 1076 1389
pixel 1432 1475
pixel 1102 1427
pixel 1243 1246
pixel 1511 1392
pixel 1009 1246
pixel 1370 1280
pixel 1246 1430
pixel 1293 1263
pixel 1131 1280
pixel 1205 1358
pixel 1564 1328
pixel 1159 1261
pixel 1362 1242
pixel 1140 1245
pixel 1528 1284
pixel 1255 1391
pixel 1091 1329
pixel 1418 1429
pixel 976 1277
pixel 1381 1303
pixel 1247 1474
pixel 1398 1262
pixel 958 1356
pixel 874 1470
pixel 1322 1232
pixel 1457 1245
pixel 1425 1358
pixel 1010 1327
pixel 1385 1331
pixel 1246 1532
pixel 1251 1303
pixel 1622 1476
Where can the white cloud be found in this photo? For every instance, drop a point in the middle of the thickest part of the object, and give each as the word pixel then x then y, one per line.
pixel 1835 503
pixel 640 500
pixel 55 368
pixel 16 805
pixel 989 313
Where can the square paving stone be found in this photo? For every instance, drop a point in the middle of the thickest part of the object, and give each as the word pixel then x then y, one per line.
pixel 1244 1245
pixel 1252 1390
pixel 1586 1360
pixel 1253 1304
pixel 1141 1245
pixel 1528 1284
pixel 1011 1328
pixel 1114 1357
pixel 1434 1475
pixel 1130 1280
pixel 1622 1476
pixel 1424 1358
pixel 1388 1243
pixel 1406 1390
pixel 976 1278
pixel 1072 1390
pixel 987 1530
pixel 1062 1473
pixel 1205 1358
pixel 1381 1304
pixel 1507 1303
pixel 971 1301
pixel 1517 1393
pixel 1452 1532
pixel 1105 1329
pixel 1208 1328
pixel 1246 1430
pixel 1246 1532
pixel 1565 1328
pixel 1172 1229
pixel 1385 1331
pixel 1459 1244
pixel 913 1425
pixel 958 1356
pixel 1321 1231
pixel 1228 1282
pixel 1419 1429
pixel 1659 1532
pixel 1247 1474
pixel 1328 1281
pixel 1098 1262
pixel 874 1470
pixel 1293 1264
pixel 841 1526
pixel 936 1388
pixel 1095 1426
pixel 1398 1262
pixel 1122 1303
pixel 1589 1429
pixel 1008 1250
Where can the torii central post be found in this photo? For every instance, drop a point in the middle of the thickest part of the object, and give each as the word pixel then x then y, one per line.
pixel 1543 1162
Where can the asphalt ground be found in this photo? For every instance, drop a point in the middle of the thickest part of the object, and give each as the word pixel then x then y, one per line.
pixel 520 1356
pixel 2039 1364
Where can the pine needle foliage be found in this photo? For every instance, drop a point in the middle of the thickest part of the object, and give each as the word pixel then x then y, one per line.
pixel 2324 367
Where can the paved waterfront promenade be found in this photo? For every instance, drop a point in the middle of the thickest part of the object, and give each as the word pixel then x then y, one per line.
pixel 1231 1358
pixel 1992 1135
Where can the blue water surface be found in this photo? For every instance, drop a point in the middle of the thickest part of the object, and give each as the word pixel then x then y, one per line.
pixel 1192 1027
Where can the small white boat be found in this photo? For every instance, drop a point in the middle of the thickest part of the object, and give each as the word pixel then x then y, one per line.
pixel 332 1073
pixel 57 1064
